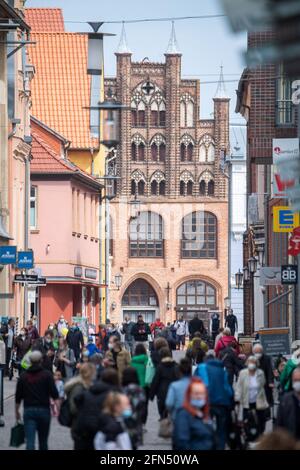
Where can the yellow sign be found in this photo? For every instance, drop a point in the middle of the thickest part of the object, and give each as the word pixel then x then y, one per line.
pixel 284 219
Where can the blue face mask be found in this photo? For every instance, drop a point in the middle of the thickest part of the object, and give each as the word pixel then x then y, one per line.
pixel 127 413
pixel 198 403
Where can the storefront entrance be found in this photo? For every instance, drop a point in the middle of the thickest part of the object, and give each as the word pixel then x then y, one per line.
pixel 140 299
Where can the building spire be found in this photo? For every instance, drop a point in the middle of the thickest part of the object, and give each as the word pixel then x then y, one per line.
pixel 123 44
pixel 221 90
pixel 173 47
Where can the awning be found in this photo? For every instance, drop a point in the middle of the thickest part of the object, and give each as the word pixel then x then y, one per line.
pixel 73 281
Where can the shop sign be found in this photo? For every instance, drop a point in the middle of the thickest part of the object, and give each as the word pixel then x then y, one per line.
pixel 284 219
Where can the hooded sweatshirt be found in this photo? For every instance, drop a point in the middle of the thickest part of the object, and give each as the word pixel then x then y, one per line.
pixel 35 387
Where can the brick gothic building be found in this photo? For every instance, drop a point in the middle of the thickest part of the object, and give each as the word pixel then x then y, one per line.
pixel 173 256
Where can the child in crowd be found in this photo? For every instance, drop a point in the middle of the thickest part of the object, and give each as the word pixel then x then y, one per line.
pixel 61 394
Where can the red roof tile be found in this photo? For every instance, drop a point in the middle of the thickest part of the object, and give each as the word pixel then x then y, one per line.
pixel 61 86
pixel 45 159
pixel 45 19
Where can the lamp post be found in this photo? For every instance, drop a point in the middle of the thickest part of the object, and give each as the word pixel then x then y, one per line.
pixel 261 255
pixel 246 274
pixel 239 279
pixel 118 280
pixel 252 265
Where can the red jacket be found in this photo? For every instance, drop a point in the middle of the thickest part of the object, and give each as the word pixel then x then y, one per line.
pixel 156 324
pixel 224 342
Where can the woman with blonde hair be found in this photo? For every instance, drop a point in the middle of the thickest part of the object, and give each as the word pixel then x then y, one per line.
pixel 74 389
pixel 112 433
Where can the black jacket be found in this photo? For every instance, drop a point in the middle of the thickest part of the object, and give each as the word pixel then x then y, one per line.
pixel 22 346
pixel 35 387
pixel 231 361
pixel 196 325
pixel 75 340
pixel 288 412
pixel 41 345
pixel 89 405
pixel 166 373
pixel 265 364
pixel 140 331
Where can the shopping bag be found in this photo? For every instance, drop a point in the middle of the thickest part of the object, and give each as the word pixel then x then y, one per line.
pixel 17 435
pixel 165 428
pixel 150 371
pixel 26 363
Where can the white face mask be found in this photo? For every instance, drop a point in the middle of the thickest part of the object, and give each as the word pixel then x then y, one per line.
pixel 258 355
pixel 110 346
pixel 251 366
pixel 296 386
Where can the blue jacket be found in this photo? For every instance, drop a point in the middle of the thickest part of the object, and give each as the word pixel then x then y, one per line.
pixel 191 433
pixel 92 349
pixel 215 377
pixel 175 396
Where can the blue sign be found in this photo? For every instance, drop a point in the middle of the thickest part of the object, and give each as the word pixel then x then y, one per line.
pixel 8 254
pixel 25 259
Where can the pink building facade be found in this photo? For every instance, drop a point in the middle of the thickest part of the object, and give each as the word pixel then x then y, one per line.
pixel 64 232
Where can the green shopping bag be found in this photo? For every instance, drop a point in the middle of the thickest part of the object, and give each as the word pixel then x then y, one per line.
pixel 17 435
pixel 150 372
pixel 25 363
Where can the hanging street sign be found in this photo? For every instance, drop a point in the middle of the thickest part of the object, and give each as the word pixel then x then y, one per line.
pixel 270 276
pixel 25 259
pixel 284 219
pixel 8 254
pixel 294 243
pixel 285 164
pixel 289 274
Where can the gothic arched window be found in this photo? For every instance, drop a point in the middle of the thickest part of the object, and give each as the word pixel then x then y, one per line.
pixel 158 148
pixel 187 111
pixel 138 112
pixel 137 183
pixel 202 188
pixel 186 149
pixel 158 184
pixel 154 114
pixel 207 184
pixel 146 236
pixel 186 184
pixel 199 235
pixel 138 147
pixel 207 149
pixel 211 188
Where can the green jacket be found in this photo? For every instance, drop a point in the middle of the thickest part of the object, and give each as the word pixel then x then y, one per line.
pixel 140 363
pixel 286 374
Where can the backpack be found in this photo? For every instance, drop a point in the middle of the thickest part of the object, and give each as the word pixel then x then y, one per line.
pixel 65 416
pixel 25 363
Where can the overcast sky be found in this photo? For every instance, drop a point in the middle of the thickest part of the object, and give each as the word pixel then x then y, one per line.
pixel 204 43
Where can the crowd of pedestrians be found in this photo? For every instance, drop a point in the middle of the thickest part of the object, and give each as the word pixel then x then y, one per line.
pixel 215 397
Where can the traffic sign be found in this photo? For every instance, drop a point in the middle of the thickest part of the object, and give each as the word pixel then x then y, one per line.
pixel 289 274
pixel 8 254
pixel 25 259
pixel 284 219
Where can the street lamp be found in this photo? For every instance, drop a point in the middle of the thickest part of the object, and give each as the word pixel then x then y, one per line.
pixel 239 278
pixel 246 274
pixel 252 264
pixel 118 280
pixel 135 207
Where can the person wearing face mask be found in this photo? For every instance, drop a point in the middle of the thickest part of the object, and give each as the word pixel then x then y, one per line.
pixel 61 324
pixel 75 340
pixel 265 364
pixel 117 355
pixel 22 345
pixel 288 416
pixel 112 432
pixel 46 347
pixel 193 427
pixel 250 394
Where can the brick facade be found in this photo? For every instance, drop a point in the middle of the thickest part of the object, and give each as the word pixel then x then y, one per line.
pixel 167 273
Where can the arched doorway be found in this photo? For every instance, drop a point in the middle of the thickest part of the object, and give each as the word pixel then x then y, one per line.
pixel 140 298
pixel 196 296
